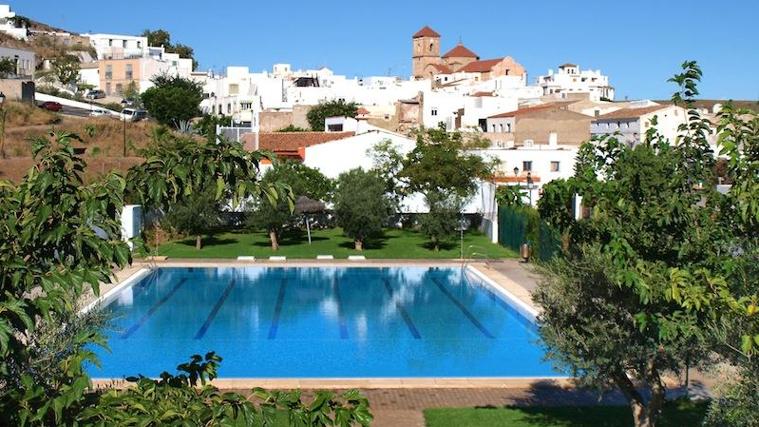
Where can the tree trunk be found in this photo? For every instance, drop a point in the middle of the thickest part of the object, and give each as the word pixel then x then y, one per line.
pixel 658 392
pixel 198 242
pixel 641 414
pixel 359 244
pixel 274 241
pixel 435 244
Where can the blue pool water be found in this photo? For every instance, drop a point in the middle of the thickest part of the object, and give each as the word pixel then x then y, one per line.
pixel 320 323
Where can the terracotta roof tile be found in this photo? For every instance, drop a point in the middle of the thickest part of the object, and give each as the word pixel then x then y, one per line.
pixel 426 32
pixel 460 51
pixel 442 68
pixel 483 94
pixel 288 143
pixel 480 66
pixel 533 109
pixel 630 113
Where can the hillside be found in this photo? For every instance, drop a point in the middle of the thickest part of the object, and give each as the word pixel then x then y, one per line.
pixel 103 139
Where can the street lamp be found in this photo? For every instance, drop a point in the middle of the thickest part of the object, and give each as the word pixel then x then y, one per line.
pixel 2 125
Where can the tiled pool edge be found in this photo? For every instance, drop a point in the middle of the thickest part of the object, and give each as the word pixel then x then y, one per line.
pixel 368 383
pixel 517 295
pixel 109 295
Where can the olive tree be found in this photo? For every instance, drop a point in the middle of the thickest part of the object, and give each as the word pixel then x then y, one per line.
pixel 302 181
pixel 361 205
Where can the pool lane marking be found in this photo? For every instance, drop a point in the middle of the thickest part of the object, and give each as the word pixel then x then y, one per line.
pixel 402 311
pixel 153 309
pixel 277 310
pixel 146 282
pixel 463 309
pixel 215 310
pixel 340 314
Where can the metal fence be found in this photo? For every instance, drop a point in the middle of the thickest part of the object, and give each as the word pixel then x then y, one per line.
pixel 232 133
pixel 523 225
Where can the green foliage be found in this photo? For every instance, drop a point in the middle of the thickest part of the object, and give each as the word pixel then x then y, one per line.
pixel 173 99
pixel 187 398
pixel 176 167
pixel 660 260
pixel 442 219
pixel 132 93
pixel 66 69
pixel 302 181
pixel 162 37
pixel 292 128
pixel 206 126
pixel 510 195
pixel 50 254
pixel 440 163
pixel 393 243
pixel 556 203
pixel 319 113
pixel 196 215
pixel 388 163
pixel 7 67
pixel 361 205
pixel 327 408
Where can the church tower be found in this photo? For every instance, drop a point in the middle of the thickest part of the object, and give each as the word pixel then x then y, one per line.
pixel 426 52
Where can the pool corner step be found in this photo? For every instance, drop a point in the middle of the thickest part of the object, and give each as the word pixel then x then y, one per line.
pixel 246 258
pixel 278 258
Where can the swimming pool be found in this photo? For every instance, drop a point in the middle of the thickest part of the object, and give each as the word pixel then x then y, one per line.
pixel 321 322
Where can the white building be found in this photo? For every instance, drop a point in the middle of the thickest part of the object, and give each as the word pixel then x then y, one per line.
pixel 119 46
pixel 633 123
pixel 241 93
pixel 8 24
pixel 570 79
pixel 24 60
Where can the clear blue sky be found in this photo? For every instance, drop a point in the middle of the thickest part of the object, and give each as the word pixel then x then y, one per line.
pixel 638 43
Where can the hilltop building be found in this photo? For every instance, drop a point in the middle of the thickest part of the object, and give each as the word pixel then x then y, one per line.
pixel 426 61
pixel 11 25
pixel 569 79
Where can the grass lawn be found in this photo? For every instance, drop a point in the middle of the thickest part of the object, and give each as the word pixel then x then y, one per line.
pixel 396 244
pixel 675 414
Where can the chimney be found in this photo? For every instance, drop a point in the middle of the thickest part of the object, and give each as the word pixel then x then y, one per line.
pixel 553 139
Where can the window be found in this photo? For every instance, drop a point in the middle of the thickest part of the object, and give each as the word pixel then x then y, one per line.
pixel 110 42
pixel 508 127
pixel 527 166
pixel 501 127
pixel 119 88
pixel 139 45
pixel 229 108
pixel 433 112
pixel 128 72
pixel 555 166
pixel 234 89
pixel 493 127
pixel 108 72
pixel 108 88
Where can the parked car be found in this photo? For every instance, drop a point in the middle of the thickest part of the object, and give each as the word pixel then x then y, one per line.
pixel 95 94
pixel 98 113
pixel 51 106
pixel 133 115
